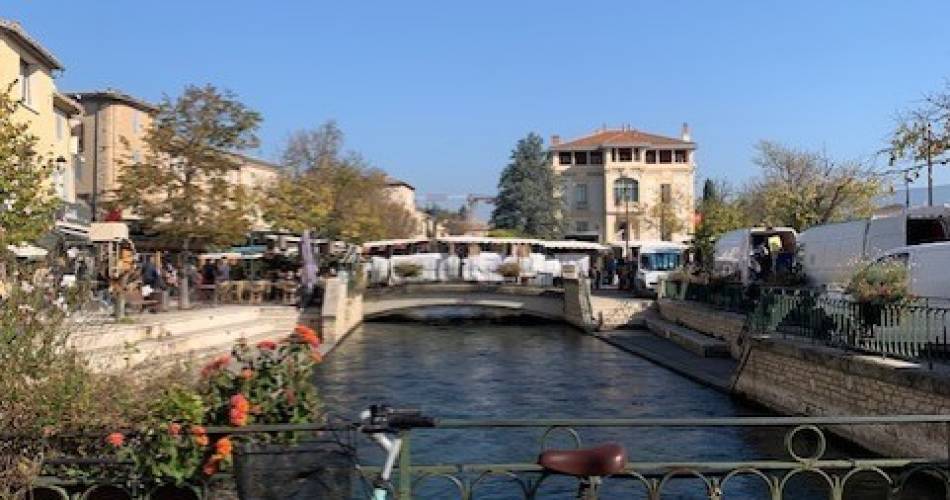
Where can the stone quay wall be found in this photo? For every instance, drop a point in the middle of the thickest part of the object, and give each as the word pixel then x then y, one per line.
pixel 798 379
pixel 699 317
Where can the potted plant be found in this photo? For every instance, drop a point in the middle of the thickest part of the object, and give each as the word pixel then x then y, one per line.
pixel 408 269
pixel 510 270
pixel 877 286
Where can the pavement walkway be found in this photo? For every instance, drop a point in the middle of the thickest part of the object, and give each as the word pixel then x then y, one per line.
pixel 714 372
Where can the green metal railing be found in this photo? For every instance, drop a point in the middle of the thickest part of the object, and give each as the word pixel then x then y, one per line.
pixel 914 330
pixel 910 331
pixel 715 478
pixel 726 296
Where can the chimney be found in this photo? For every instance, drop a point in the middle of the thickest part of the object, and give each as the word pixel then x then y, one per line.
pixel 685 133
pixel 555 140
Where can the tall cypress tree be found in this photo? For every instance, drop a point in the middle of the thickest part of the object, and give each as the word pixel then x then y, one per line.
pixel 527 201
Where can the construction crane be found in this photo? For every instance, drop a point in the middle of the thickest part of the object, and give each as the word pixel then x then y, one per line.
pixel 472 201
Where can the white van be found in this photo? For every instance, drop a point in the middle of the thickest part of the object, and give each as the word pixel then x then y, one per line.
pixel 733 252
pixel 927 266
pixel 831 253
pixel 656 261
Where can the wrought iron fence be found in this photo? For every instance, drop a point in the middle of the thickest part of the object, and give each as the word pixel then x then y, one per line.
pixel 913 330
pixel 731 297
pixel 804 455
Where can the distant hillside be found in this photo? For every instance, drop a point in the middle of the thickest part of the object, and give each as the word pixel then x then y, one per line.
pixel 918 196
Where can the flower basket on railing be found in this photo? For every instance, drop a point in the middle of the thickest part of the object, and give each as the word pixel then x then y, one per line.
pixel 878 287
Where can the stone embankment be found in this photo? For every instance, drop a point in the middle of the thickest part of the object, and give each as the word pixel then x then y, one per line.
pixel 155 340
pixel 796 377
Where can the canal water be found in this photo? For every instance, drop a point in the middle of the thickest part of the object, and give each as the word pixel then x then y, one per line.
pixel 479 370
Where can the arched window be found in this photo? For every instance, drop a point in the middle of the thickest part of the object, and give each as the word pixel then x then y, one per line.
pixel 626 190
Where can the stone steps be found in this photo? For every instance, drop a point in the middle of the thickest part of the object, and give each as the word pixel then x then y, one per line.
pixel 207 333
pixel 696 343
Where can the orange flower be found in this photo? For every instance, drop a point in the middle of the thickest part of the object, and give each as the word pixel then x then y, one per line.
pixel 223 447
pixel 267 345
pixel 201 440
pixel 247 374
pixel 200 435
pixel 198 430
pixel 174 428
pixel 307 335
pixel 116 439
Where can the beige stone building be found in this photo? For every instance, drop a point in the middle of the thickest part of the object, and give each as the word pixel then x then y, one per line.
pixel 614 181
pixel 28 70
pixel 404 194
pixel 111 135
pixel 113 129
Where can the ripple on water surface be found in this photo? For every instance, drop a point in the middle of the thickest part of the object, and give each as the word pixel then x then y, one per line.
pixel 546 370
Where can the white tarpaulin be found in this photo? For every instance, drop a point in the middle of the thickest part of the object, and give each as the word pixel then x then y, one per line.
pixel 429 262
pixel 483 267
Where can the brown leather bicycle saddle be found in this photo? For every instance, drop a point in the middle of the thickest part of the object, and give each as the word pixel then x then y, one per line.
pixel 601 460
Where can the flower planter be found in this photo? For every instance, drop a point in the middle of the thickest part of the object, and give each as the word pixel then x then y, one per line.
pixel 310 469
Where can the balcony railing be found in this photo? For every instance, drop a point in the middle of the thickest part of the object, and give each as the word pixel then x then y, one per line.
pixel 803 455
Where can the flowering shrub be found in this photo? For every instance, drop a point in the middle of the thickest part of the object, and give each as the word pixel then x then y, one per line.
pixel 268 383
pixel 881 283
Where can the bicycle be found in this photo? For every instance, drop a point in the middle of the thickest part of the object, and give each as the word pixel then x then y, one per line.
pixel 588 465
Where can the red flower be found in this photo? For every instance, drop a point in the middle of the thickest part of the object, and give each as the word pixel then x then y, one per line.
pixel 174 428
pixel 238 418
pixel 307 335
pixel 267 345
pixel 197 430
pixel 216 365
pixel 116 439
pixel 247 374
pixel 240 402
pixel 211 466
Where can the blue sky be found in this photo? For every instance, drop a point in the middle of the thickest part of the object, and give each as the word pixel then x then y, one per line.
pixel 437 93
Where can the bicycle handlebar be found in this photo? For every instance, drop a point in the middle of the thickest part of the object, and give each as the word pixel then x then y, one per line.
pixel 383 418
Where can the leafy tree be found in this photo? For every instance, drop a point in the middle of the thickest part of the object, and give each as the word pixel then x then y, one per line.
pixel 527 199
pixel 180 187
pixel 27 200
pixel 668 216
pixel 801 189
pixel 910 139
pixel 338 196
pixel 308 149
pixel 718 214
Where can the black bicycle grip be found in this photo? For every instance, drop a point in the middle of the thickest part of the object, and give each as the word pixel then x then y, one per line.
pixel 410 421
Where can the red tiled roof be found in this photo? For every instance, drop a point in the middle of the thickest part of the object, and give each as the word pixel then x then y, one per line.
pixel 612 138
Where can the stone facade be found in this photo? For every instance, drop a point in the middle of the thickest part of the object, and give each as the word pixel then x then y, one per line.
pixel 27 69
pixel 614 179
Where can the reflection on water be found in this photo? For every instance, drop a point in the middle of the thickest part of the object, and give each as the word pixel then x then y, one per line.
pixel 477 370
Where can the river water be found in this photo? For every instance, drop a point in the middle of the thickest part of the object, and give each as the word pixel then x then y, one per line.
pixel 550 370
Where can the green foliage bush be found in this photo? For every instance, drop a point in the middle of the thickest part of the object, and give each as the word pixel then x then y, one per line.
pixel 408 270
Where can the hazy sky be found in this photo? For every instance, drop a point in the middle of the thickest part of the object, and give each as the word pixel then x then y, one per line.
pixel 437 93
